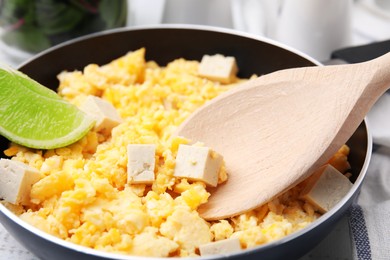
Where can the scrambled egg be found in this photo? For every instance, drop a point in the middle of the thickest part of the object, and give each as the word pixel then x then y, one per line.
pixel 84 197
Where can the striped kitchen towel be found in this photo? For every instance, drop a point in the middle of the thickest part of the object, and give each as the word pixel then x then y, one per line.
pixel 370 218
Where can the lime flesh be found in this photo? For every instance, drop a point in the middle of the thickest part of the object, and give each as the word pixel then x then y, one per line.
pixel 35 116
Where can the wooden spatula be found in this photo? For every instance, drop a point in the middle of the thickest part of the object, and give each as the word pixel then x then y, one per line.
pixel 275 130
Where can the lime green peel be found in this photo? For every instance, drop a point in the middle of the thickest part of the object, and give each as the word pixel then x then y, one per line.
pixel 35 116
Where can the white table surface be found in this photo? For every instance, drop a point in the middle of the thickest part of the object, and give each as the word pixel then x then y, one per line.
pixel 368 26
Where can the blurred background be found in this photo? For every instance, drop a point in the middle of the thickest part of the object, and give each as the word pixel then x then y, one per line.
pixel 315 27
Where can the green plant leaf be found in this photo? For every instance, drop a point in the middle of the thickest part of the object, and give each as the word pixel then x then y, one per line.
pixel 113 13
pixel 55 17
pixel 28 38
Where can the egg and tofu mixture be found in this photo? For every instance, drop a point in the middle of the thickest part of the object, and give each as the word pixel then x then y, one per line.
pixel 93 194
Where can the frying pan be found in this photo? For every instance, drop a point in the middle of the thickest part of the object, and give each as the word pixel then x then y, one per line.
pixel 163 44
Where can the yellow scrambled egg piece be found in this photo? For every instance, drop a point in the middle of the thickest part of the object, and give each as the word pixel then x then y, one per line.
pixel 84 197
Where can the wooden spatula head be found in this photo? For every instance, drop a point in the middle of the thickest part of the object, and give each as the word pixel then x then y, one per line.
pixel 274 131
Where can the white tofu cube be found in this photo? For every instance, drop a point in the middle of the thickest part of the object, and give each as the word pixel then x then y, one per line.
pixel 218 68
pixel 140 163
pixel 198 163
pixel 16 180
pixel 326 188
pixel 221 247
pixel 103 112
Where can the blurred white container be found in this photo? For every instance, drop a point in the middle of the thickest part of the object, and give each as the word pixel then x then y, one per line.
pixel 316 27
pixel 255 16
pixel 205 12
pixel 140 12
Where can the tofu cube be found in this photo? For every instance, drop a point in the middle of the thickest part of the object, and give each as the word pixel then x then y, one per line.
pixel 16 180
pixel 221 247
pixel 104 113
pixel 140 163
pixel 326 188
pixel 218 68
pixel 198 163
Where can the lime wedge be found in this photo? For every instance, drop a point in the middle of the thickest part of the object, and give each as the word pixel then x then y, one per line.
pixel 35 116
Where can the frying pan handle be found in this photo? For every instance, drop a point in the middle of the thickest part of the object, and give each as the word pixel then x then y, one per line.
pixel 362 52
